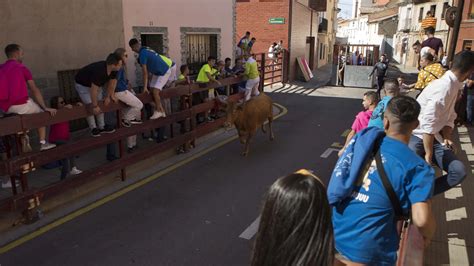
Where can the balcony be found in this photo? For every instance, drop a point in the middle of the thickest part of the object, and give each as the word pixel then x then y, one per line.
pixel 318 5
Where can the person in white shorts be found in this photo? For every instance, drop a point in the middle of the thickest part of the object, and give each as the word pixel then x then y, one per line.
pixel 124 92
pixel 159 68
pixel 253 77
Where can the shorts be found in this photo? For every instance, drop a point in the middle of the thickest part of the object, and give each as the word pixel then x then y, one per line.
pixel 30 107
pixel 173 76
pixel 158 82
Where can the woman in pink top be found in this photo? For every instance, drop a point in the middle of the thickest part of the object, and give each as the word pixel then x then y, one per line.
pixel 361 121
pixel 59 135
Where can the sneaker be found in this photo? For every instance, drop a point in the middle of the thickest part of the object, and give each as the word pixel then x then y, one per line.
pixel 131 149
pixel 8 184
pixel 95 132
pixel 75 171
pixel 107 129
pixel 157 115
pixel 136 122
pixel 210 119
pixel 126 123
pixel 47 146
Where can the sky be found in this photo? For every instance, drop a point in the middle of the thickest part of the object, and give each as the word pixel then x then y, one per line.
pixel 346 8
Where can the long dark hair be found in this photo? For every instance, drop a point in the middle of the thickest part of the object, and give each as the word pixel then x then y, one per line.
pixel 296 225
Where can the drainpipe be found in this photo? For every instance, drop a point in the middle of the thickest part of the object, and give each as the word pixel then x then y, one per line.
pixel 457 25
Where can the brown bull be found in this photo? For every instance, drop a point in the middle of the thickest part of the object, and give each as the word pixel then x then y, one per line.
pixel 249 116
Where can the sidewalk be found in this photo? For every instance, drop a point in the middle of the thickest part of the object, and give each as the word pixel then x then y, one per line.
pixel 321 78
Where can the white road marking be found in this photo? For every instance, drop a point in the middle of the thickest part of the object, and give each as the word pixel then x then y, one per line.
pixel 456 214
pixel 328 152
pixel 251 230
pixel 453 193
pixel 457 251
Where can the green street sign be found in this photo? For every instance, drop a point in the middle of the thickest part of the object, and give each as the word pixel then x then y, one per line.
pixel 277 20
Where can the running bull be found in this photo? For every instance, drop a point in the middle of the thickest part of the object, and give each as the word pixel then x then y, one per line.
pixel 247 117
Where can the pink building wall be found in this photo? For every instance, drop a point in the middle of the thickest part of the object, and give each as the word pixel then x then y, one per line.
pixel 174 14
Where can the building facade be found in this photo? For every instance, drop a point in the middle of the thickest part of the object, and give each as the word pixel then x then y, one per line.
pixel 295 22
pixel 176 32
pixel 409 27
pixel 58 35
pixel 466 31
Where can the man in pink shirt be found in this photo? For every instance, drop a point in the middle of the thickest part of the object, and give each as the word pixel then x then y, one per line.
pixel 14 99
pixel 361 121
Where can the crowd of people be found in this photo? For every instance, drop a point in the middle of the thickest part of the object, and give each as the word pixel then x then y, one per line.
pixel 106 81
pixel 384 174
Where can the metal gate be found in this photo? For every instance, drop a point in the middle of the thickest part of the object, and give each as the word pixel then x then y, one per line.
pixel 198 48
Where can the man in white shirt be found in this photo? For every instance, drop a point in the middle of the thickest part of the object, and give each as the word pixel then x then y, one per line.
pixel 433 138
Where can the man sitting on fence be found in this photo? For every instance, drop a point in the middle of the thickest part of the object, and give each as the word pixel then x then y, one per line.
pixel 14 78
pixel 157 70
pixel 89 82
pixel 364 215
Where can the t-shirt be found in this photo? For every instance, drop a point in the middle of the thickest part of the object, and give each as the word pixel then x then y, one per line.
pixel 362 120
pixel 122 82
pixel 59 131
pixel 251 68
pixel 153 61
pixel 181 77
pixel 364 225
pixel 13 87
pixel 434 43
pixel 202 76
pixel 429 73
pixel 95 73
pixel 376 120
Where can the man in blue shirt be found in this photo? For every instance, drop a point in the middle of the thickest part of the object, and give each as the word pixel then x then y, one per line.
pixel 161 70
pixel 391 89
pixel 364 221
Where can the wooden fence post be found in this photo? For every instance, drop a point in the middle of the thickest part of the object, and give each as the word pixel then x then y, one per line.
pixel 262 71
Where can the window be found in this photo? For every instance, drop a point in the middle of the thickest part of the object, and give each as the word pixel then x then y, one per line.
pixel 471 11
pixel 467 45
pixel 198 48
pixel 445 7
pixel 320 51
pixel 420 16
pixel 433 10
pixel 154 41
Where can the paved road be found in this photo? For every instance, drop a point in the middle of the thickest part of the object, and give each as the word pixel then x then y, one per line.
pixel 194 215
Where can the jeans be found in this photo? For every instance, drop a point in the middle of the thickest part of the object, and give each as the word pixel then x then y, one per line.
pixel 66 163
pixel 470 98
pixel 85 95
pixel 446 160
pixel 112 147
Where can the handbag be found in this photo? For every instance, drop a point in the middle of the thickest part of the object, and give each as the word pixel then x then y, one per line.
pixel 411 246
